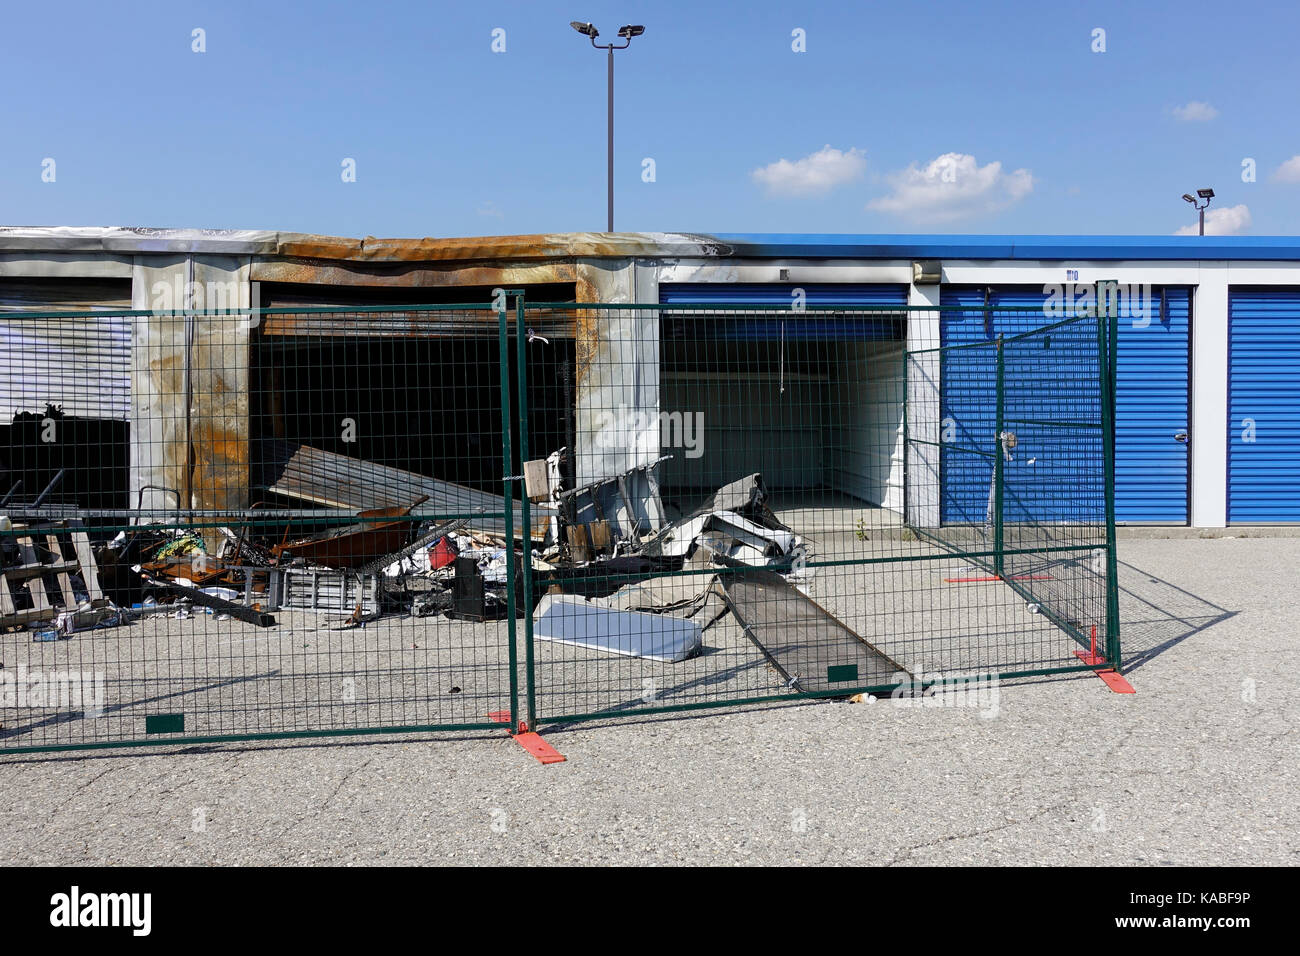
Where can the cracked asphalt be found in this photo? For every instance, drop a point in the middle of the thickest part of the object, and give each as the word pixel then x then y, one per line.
pixel 1199 767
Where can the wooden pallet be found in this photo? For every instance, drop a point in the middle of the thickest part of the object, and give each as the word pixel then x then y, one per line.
pixel 43 571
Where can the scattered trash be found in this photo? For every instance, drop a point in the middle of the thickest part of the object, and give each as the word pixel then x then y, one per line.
pixel 323 590
pixel 46 568
pixel 356 545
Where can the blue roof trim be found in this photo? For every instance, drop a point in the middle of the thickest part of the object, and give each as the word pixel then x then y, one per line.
pixel 833 245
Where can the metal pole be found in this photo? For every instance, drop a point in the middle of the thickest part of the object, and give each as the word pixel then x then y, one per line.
pixel 521 359
pixel 611 140
pixel 1201 208
pixel 999 477
pixel 508 516
pixel 1108 437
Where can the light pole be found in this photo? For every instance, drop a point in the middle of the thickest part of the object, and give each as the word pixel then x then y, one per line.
pixel 627 33
pixel 1207 195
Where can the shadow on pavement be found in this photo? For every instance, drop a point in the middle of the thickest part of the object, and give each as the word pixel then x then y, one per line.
pixel 1156 615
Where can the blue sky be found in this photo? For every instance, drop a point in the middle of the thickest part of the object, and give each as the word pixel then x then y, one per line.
pixel 944 117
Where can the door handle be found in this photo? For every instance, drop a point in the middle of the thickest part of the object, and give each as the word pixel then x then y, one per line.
pixel 1181 436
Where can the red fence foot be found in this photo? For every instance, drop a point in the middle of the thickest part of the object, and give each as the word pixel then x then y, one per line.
pixel 1116 682
pixel 530 741
pixel 1113 678
pixel 539 748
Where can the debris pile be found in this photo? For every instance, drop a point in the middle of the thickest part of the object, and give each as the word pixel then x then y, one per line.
pixel 611 572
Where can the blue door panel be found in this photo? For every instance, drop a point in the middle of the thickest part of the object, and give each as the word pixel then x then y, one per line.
pixel 1263 405
pixel 1151 407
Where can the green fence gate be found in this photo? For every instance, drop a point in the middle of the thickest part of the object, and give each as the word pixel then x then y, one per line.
pixel 301 522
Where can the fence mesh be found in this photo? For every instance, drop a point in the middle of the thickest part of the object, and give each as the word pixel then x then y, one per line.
pixel 349 521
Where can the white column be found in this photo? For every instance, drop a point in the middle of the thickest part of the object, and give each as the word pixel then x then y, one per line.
pixel 1209 425
pixel 923 408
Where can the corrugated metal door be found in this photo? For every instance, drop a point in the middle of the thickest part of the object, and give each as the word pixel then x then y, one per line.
pixel 1151 409
pixel 781 293
pixel 811 325
pixel 82 365
pixel 1263 405
pixel 1151 462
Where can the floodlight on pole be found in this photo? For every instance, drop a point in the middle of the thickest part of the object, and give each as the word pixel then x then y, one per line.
pixel 1206 194
pixel 625 33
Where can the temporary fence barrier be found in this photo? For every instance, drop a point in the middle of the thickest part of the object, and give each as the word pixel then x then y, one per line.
pixel 308 522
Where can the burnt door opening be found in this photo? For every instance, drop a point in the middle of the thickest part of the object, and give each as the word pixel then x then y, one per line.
pixel 427 405
pixel 812 402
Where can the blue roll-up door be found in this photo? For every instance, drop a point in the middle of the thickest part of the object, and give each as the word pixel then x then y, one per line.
pixel 1151 410
pixel 1151 464
pixel 1263 405
pixel 808 326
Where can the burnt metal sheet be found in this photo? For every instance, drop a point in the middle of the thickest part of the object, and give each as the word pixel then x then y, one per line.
pixel 813 650
pixel 413 275
pixel 322 477
pixel 134 239
pixel 449 323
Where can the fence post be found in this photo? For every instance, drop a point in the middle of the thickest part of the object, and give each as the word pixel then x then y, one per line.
pixel 521 346
pixel 1109 322
pixel 998 473
pixel 508 510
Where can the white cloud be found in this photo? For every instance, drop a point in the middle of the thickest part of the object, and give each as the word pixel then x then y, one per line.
pixel 1288 172
pixel 814 175
pixel 953 186
pixel 1196 111
pixel 1220 222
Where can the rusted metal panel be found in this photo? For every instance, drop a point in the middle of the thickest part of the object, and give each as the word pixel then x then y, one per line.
pixel 262 243
pixel 190 386
pixel 469 249
pixel 324 478
pixel 437 324
pixel 409 276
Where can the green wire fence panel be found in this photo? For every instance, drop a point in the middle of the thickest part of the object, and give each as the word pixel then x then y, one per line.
pixel 228 527
pixel 766 503
pixel 324 521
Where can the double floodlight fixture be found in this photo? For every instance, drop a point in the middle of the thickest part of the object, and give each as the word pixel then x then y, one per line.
pixel 1206 195
pixel 626 32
